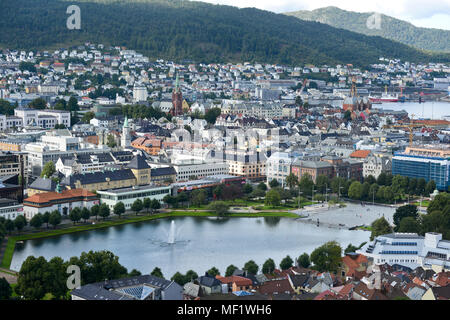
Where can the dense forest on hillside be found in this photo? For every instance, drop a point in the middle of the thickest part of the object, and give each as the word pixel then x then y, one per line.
pixel 390 28
pixel 178 30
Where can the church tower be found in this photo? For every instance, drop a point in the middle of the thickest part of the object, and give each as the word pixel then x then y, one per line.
pixel 125 139
pixel 177 99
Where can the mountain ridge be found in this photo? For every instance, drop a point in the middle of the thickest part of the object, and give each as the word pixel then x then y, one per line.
pixel 178 30
pixel 437 40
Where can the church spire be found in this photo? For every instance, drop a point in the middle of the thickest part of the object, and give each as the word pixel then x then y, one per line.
pixel 177 84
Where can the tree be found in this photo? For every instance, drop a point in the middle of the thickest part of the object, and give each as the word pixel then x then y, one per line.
pixel 370 179
pixel 179 278
pixel 262 186
pixel 146 203
pixel 155 205
pixel 198 197
pixel 110 141
pixel 55 218
pixel 291 181
pixel 88 116
pixel 421 184
pixel 347 116
pixel 85 214
pixel 36 221
pixel 5 289
pixel 213 272
pixel 134 273
pixel 286 263
pixel 190 275
pixel 230 270
pixel 274 183
pixel 104 211
pixel 272 198
pixel 355 190
pixel 306 184
pixel 381 181
pixel 20 222
pixel 247 188
pixel 219 207
pixel 9 225
pixel 322 182
pixel 170 200
pixel 95 210
pixel 137 206
pixel 430 187
pixel 303 260
pixel 409 225
pixel 75 215
pixel 350 248
pixel 38 103
pixel 251 267
pixel 157 273
pixel 212 114
pixel 408 210
pixel 48 170
pixel 380 227
pixel 96 266
pixel 268 266
pixel 31 282
pixel 327 257
pixel 119 208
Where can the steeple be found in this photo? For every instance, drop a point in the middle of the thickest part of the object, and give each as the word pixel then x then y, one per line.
pixel 125 123
pixel 177 84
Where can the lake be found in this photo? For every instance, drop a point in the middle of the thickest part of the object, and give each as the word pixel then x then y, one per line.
pixel 201 243
pixel 428 110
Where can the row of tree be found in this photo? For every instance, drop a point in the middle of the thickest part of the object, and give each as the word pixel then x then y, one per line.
pixel 324 258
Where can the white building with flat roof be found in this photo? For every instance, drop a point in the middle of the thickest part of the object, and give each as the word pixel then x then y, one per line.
pixel 128 195
pixel 410 250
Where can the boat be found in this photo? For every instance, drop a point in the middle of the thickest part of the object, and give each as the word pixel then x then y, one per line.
pixel 387 97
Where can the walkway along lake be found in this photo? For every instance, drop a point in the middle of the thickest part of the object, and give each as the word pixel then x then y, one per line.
pixel 200 243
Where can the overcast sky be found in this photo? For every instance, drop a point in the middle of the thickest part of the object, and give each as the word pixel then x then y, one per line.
pixel 422 13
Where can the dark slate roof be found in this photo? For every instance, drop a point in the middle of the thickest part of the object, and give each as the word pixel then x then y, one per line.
pixel 98 177
pixel 46 184
pixel 123 155
pixel 134 281
pixel 155 172
pixel 95 292
pixel 299 280
pixel 102 290
pixel 209 281
pixel 138 162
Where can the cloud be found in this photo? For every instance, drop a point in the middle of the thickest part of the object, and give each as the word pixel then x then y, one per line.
pixel 418 11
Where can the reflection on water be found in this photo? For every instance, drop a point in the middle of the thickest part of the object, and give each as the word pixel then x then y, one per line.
pixel 272 221
pixel 200 243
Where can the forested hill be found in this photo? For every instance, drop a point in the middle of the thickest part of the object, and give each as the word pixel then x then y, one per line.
pixel 390 28
pixel 174 29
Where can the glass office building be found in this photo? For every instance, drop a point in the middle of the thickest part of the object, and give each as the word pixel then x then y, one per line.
pixel 429 168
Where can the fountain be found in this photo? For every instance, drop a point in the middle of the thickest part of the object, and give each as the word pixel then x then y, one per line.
pixel 171 239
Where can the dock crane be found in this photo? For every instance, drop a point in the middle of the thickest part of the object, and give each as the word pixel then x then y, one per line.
pixel 409 126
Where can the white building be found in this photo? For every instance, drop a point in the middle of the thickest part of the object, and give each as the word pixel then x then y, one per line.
pixel 278 167
pixel 199 170
pixel 374 166
pixel 410 250
pixel 128 195
pixel 43 118
pixel 62 200
pixel 10 209
pixel 139 93
pixel 56 144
